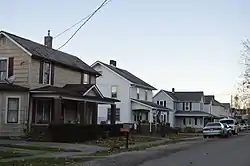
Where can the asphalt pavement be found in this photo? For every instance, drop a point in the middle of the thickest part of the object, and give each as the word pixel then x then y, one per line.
pixel 234 151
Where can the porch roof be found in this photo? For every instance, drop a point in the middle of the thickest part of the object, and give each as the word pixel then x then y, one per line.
pixel 13 87
pixel 151 105
pixel 193 113
pixel 70 91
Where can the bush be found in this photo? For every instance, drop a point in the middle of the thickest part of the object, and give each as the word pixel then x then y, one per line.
pixel 189 130
pixel 82 133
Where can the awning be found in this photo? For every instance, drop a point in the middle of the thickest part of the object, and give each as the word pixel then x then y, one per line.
pixel 194 114
pixel 78 92
pixel 150 105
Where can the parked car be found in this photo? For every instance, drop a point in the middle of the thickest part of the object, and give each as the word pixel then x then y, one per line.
pixel 242 127
pixel 214 129
pixel 229 129
pixel 232 124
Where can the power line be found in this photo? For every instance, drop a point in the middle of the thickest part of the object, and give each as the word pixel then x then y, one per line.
pixel 104 2
pixel 78 22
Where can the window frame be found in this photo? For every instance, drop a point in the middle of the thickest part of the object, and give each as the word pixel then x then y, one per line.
pixel 87 77
pixel 7 66
pixel 116 114
pixel 50 72
pixel 43 111
pixel 138 93
pixel 114 86
pixel 7 109
pixel 146 95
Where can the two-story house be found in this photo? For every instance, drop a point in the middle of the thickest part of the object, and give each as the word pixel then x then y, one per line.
pixel 188 108
pixel 214 107
pixel 135 95
pixel 40 85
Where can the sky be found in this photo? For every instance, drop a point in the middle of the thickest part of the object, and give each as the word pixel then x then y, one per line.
pixel 189 45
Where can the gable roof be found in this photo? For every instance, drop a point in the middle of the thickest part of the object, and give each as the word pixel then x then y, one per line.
pixel 128 76
pixel 47 53
pixel 210 99
pixel 152 104
pixel 185 96
pixel 226 105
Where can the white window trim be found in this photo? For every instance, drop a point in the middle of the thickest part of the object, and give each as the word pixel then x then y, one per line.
pixel 116 91
pixel 50 72
pixel 138 93
pixel 162 102
pixel 6 58
pixel 6 109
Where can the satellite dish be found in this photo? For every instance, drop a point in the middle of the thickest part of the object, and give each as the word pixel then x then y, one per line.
pixel 10 80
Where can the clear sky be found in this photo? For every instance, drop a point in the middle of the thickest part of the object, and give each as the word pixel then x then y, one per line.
pixel 186 44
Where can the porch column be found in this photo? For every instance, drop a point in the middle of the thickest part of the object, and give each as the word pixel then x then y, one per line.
pixel 57 110
pixel 82 109
pixel 113 114
pixel 94 113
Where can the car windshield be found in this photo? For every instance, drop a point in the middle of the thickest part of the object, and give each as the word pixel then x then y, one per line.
pixel 227 121
pixel 213 124
pixel 225 125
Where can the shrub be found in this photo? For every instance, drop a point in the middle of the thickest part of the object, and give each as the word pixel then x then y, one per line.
pixel 189 130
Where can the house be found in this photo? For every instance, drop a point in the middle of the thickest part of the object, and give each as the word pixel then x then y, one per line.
pixel 227 107
pixel 214 107
pixel 134 93
pixel 40 85
pixel 188 108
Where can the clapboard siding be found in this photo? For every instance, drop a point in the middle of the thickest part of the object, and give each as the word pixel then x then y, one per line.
pixel 13 129
pixel 21 60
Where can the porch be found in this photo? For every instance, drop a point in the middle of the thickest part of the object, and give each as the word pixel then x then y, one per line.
pixel 72 104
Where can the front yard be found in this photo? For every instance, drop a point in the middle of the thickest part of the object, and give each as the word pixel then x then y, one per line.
pixel 11 154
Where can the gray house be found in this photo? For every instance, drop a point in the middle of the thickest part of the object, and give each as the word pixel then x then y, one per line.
pixel 188 107
pixel 134 93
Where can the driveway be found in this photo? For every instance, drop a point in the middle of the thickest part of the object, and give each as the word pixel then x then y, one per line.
pixel 230 152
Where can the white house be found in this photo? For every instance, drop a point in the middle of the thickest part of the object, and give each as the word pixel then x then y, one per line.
pixel 216 108
pixel 188 108
pixel 135 95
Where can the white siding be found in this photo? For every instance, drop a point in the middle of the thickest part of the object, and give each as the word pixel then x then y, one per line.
pixel 196 106
pixel 162 96
pixel 104 83
pixel 142 93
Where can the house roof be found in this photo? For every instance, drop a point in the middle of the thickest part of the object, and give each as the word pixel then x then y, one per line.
pixel 210 99
pixel 41 51
pixel 185 96
pixel 12 87
pixel 152 104
pixel 226 105
pixel 129 76
pixel 68 90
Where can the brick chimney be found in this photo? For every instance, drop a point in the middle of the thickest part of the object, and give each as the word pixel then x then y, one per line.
pixel 48 40
pixel 112 63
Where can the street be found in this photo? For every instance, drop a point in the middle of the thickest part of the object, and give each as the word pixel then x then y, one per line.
pixel 234 151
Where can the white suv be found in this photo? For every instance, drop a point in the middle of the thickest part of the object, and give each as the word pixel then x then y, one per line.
pixel 232 123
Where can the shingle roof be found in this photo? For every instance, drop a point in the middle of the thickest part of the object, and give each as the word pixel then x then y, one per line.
pixel 210 99
pixel 70 92
pixel 179 113
pixel 12 87
pixel 51 54
pixel 152 104
pixel 185 96
pixel 129 76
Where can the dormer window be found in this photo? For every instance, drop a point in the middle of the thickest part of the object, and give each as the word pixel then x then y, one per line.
pixel 46 73
pixel 3 68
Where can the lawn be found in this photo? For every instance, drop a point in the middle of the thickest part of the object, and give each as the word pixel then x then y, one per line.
pixel 10 154
pixel 120 141
pixel 49 149
pixel 45 161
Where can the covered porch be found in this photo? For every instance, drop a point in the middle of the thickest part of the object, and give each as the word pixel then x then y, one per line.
pixel 73 103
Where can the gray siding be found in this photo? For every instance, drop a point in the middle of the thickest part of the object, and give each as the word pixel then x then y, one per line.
pixel 162 96
pixel 13 129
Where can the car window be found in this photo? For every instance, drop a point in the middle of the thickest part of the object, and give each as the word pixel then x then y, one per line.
pixel 227 121
pixel 213 124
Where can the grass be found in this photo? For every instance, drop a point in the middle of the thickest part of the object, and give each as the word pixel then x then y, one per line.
pixel 11 154
pixel 38 148
pixel 45 162
pixel 120 141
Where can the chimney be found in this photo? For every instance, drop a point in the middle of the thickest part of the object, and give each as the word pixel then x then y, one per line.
pixel 48 40
pixel 112 63
pixel 173 90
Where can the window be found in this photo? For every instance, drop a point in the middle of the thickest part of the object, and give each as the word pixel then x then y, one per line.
pixel 168 117
pixel 43 112
pixel 138 93
pixel 195 121
pixel 161 103
pixel 13 109
pixel 117 115
pixel 184 121
pixel 85 78
pixel 157 102
pixel 190 121
pixel 113 91
pixel 164 103
pixel 3 68
pixel 46 73
pixel 187 106
pixel 164 118
pixel 146 95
